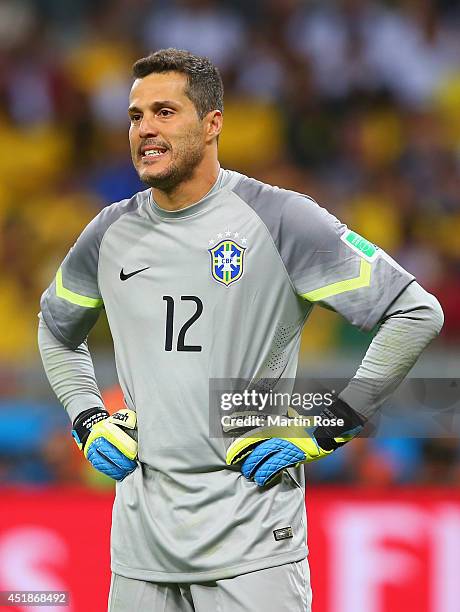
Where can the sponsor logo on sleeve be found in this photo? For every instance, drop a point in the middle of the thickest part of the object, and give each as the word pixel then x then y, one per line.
pixel 360 245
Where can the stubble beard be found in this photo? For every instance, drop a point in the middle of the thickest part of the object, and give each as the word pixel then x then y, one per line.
pixel 188 155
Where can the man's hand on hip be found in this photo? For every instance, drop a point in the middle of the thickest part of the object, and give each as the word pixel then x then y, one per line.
pixel 108 442
pixel 266 451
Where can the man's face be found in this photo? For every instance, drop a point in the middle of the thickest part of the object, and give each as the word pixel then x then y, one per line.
pixel 166 136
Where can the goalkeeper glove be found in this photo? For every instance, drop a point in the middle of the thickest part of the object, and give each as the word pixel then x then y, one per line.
pixel 108 442
pixel 269 450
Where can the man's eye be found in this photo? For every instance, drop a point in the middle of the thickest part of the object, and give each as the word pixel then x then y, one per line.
pixel 135 118
pixel 164 112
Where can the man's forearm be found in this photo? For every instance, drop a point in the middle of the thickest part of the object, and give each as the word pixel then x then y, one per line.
pixel 70 373
pixel 409 325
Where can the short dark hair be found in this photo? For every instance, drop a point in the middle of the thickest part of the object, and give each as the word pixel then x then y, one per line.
pixel 204 88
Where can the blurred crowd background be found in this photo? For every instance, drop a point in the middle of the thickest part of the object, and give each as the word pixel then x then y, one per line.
pixel 354 102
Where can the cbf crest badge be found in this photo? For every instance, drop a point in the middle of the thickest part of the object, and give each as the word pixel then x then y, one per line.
pixel 227 262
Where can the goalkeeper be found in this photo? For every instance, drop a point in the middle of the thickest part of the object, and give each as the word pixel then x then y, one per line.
pixel 210 274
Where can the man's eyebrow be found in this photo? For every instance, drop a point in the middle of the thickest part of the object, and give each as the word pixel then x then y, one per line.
pixel 156 104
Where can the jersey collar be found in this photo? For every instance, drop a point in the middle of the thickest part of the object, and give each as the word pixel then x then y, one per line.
pixel 222 179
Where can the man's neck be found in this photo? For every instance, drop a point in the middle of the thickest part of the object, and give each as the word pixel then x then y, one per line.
pixel 188 192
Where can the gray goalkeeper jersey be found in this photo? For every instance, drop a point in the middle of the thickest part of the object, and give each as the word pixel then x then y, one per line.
pixel 220 289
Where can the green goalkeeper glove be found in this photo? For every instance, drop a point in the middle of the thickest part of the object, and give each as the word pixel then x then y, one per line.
pixel 267 451
pixel 108 442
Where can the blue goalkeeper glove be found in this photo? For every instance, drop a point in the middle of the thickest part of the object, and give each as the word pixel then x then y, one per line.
pixel 108 442
pixel 267 451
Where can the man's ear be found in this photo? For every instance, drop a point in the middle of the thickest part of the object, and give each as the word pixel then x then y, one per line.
pixel 214 122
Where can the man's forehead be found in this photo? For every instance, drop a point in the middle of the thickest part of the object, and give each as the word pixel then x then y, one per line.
pixel 160 86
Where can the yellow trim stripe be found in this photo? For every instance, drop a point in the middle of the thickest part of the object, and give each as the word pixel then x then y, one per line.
pixel 75 298
pixel 363 280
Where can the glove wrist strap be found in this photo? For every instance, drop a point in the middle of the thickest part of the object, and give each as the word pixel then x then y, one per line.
pixel 353 423
pixel 84 422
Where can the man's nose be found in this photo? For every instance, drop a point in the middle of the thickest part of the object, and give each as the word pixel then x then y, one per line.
pixel 148 127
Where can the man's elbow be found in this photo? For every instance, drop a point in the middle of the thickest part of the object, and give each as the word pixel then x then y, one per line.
pixel 435 314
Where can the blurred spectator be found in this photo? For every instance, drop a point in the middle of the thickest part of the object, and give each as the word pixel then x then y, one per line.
pixel 336 37
pixel 440 463
pixel 17 20
pixel 413 50
pixel 62 459
pixel 262 77
pixel 206 27
pixel 362 464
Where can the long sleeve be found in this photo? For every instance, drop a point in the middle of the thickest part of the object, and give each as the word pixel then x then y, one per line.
pixel 407 327
pixel 70 372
